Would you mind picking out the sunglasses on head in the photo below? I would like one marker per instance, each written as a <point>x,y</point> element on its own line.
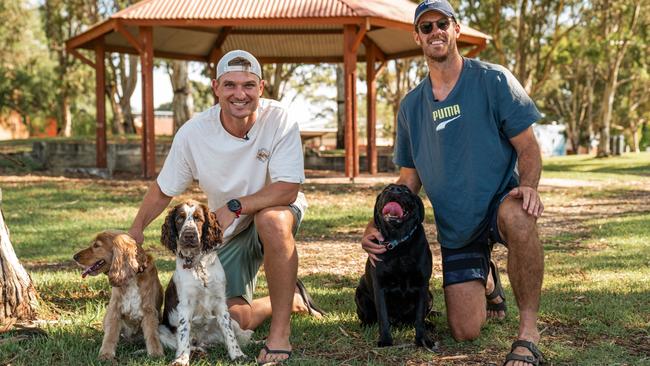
<point>427,27</point>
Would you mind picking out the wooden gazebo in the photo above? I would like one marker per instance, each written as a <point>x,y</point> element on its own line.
<point>292,31</point>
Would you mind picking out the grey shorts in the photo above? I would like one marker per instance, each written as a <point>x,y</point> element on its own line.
<point>243,256</point>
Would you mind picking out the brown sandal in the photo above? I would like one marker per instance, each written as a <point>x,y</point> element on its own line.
<point>536,359</point>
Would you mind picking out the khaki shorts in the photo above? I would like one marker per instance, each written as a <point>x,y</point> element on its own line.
<point>243,256</point>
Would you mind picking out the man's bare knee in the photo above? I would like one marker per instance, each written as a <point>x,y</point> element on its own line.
<point>465,309</point>
<point>465,332</point>
<point>241,312</point>
<point>272,223</point>
<point>515,224</point>
<point>465,328</point>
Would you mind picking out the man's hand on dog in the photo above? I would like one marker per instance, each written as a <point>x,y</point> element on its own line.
<point>531,201</point>
<point>369,243</point>
<point>137,235</point>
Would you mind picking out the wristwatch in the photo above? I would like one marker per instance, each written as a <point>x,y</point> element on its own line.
<point>234,206</point>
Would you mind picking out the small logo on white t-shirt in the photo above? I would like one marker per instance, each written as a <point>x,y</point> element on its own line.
<point>263,155</point>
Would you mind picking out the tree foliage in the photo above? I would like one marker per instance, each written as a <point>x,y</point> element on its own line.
<point>63,19</point>
<point>26,74</point>
<point>569,54</point>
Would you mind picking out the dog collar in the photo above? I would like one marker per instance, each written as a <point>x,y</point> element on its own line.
<point>391,244</point>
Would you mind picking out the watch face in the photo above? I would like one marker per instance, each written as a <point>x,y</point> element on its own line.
<point>234,205</point>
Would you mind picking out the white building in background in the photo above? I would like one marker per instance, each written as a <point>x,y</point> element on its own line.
<point>551,138</point>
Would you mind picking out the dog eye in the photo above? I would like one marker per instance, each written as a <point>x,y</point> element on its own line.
<point>96,245</point>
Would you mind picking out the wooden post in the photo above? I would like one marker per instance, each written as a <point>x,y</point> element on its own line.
<point>148,131</point>
<point>100,102</point>
<point>213,59</point>
<point>212,67</point>
<point>350,75</point>
<point>371,148</point>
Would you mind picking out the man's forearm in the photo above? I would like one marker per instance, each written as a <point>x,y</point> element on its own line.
<point>410,178</point>
<point>530,166</point>
<point>153,203</point>
<point>274,194</point>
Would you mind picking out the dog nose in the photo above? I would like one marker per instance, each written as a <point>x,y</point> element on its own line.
<point>76,257</point>
<point>189,238</point>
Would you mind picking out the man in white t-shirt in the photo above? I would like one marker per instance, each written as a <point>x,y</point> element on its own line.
<point>247,157</point>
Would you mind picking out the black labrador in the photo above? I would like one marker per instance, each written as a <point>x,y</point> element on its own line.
<point>396,291</point>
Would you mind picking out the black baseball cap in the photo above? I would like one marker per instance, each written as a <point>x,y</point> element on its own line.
<point>441,6</point>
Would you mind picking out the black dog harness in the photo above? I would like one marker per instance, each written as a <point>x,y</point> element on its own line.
<point>391,244</point>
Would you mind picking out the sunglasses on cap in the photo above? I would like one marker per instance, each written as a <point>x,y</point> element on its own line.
<point>427,27</point>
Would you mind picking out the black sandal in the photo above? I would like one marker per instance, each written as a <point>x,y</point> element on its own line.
<point>536,359</point>
<point>497,292</point>
<point>274,352</point>
<point>311,305</point>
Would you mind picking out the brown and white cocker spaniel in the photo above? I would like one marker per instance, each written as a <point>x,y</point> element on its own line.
<point>136,294</point>
<point>195,313</point>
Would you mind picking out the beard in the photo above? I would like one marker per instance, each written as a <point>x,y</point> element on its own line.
<point>442,58</point>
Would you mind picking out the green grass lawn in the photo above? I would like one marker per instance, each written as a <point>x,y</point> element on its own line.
<point>596,296</point>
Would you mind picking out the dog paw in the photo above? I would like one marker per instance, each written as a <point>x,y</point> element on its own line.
<point>240,359</point>
<point>155,349</point>
<point>385,342</point>
<point>105,356</point>
<point>181,361</point>
<point>428,343</point>
<point>157,353</point>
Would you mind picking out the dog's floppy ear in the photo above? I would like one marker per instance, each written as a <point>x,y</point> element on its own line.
<point>128,259</point>
<point>211,234</point>
<point>377,216</point>
<point>168,233</point>
<point>420,207</point>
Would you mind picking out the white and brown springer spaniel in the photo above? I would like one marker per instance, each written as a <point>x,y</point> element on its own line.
<point>136,293</point>
<point>195,313</point>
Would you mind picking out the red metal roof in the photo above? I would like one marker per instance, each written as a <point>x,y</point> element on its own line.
<point>399,10</point>
<point>274,30</point>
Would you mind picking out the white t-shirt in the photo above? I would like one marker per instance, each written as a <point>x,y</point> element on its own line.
<point>228,167</point>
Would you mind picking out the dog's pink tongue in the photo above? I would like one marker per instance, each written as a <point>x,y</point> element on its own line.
<point>393,209</point>
<point>92,268</point>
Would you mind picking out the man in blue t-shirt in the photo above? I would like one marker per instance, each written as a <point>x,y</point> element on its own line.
<point>464,134</point>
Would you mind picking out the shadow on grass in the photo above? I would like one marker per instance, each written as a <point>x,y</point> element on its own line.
<point>583,166</point>
<point>621,194</point>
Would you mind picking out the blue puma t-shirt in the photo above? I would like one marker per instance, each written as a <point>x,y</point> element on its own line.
<point>460,146</point>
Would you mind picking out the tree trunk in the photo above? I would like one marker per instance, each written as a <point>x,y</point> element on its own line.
<point>340,107</point>
<point>66,115</point>
<point>110,88</point>
<point>18,297</point>
<point>182,104</point>
<point>604,148</point>
<point>128,83</point>
<point>611,83</point>
<point>274,81</point>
